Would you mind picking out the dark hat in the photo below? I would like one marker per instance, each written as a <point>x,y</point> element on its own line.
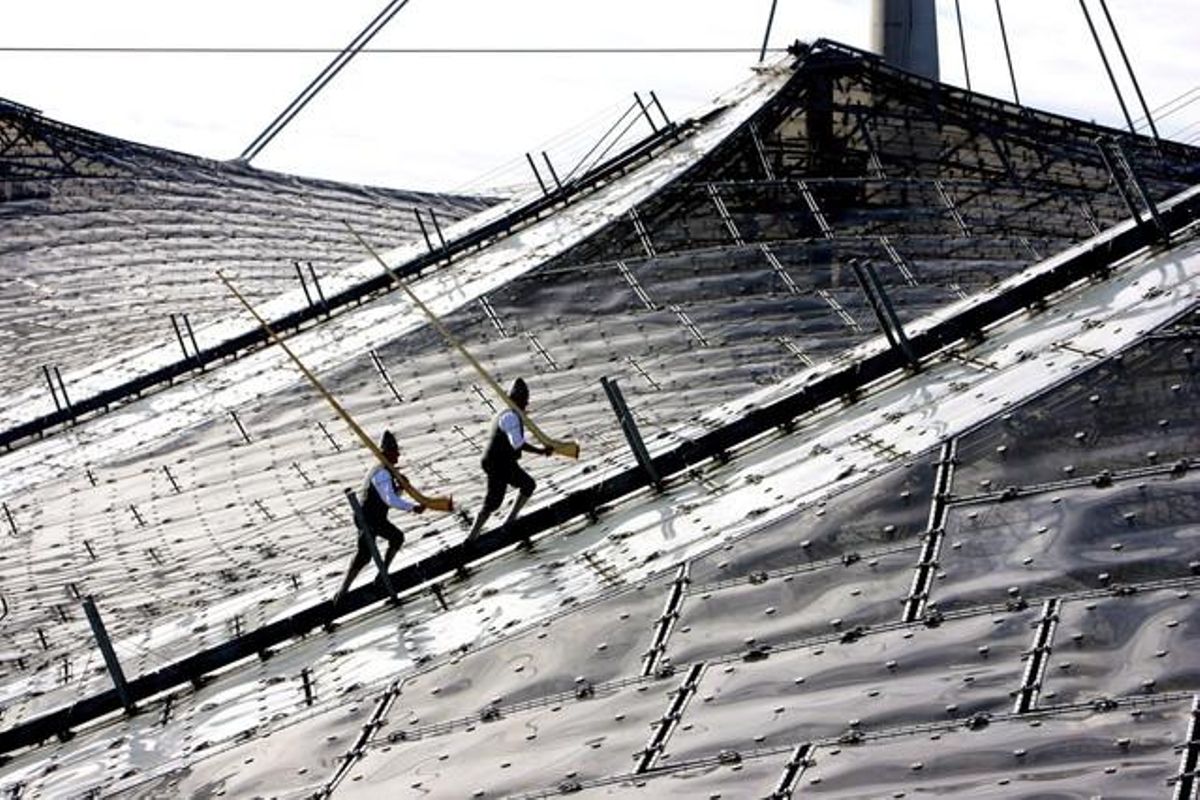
<point>388,443</point>
<point>519,391</point>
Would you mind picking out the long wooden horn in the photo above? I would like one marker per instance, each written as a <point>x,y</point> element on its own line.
<point>435,503</point>
<point>568,448</point>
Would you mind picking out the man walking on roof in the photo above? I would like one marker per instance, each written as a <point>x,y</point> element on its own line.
<point>378,494</point>
<point>500,460</point>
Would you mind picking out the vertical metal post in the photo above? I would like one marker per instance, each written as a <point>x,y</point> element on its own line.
<point>187,325</point>
<point>62,387</point>
<point>437,227</point>
<point>317,286</point>
<point>762,53</point>
<point>536,174</point>
<point>53,391</point>
<point>875,306</point>
<point>658,105</point>
<point>550,167</point>
<point>303,283</point>
<point>630,428</point>
<point>110,655</point>
<point>179,336</point>
<point>368,538</point>
<point>645,112</point>
<point>1012,76</point>
<point>877,296</point>
<point>1107,67</point>
<point>897,326</point>
<point>424,232</point>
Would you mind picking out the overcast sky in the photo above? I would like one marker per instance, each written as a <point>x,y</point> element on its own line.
<point>448,121</point>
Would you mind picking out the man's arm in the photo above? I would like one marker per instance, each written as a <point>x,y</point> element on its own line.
<point>382,481</point>
<point>510,423</point>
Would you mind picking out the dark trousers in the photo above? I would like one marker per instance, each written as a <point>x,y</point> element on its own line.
<point>499,477</point>
<point>382,529</point>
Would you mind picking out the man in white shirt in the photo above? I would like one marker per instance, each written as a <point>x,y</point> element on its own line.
<point>500,460</point>
<point>377,495</point>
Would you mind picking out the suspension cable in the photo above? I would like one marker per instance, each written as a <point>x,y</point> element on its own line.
<point>962,40</point>
<point>1107,68</point>
<point>323,78</point>
<point>1129,68</point>
<point>1007,54</point>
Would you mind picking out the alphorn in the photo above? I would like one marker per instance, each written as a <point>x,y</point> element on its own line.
<point>568,448</point>
<point>435,503</point>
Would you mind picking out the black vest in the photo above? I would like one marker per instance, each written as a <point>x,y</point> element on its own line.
<point>500,452</point>
<point>374,509</point>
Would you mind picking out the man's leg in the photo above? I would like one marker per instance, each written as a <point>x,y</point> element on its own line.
<point>525,486</point>
<point>495,495</point>
<point>356,564</point>
<point>395,540</point>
